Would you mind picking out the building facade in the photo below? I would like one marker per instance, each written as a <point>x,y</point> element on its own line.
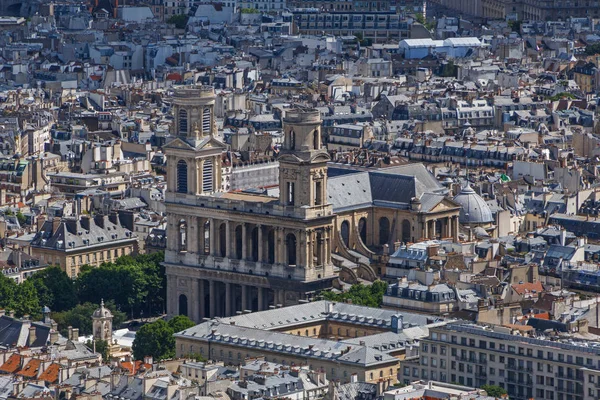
<point>230,252</point>
<point>526,367</point>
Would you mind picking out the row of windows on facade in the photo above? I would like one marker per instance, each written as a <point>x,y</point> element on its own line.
<point>523,351</point>
<point>239,356</point>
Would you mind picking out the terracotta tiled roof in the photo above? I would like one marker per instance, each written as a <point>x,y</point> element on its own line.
<point>12,365</point>
<point>524,288</point>
<point>544,315</point>
<point>50,375</point>
<point>31,369</point>
<point>135,366</point>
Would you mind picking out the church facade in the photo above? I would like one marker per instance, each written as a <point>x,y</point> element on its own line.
<point>230,252</point>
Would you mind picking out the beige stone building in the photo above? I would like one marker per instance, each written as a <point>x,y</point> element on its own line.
<point>230,252</point>
<point>343,340</point>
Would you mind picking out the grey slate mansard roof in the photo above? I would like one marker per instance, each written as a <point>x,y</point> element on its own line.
<point>254,331</point>
<point>388,187</point>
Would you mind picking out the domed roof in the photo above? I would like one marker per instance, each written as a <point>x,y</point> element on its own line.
<point>102,312</point>
<point>473,209</point>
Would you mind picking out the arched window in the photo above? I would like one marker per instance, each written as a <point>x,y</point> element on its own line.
<point>292,140</point>
<point>206,121</point>
<point>384,230</point>
<point>318,256</point>
<point>183,122</point>
<point>206,237</point>
<point>290,243</point>
<point>182,181</point>
<point>183,305</point>
<point>316,140</point>
<point>362,229</point>
<point>345,231</point>
<point>223,240</point>
<point>207,176</point>
<point>182,235</point>
<point>406,231</point>
<point>271,246</point>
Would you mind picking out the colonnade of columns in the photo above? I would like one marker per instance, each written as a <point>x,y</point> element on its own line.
<point>210,298</point>
<point>443,227</point>
<point>251,241</point>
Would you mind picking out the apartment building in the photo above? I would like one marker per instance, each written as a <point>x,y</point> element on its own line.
<point>526,367</point>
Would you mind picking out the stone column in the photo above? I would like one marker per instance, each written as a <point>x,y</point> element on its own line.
<point>171,295</point>
<point>227,239</point>
<point>260,243</point>
<point>227,299</point>
<point>279,244</point>
<point>455,227</point>
<point>212,298</point>
<point>426,229</point>
<point>260,295</point>
<point>300,245</point>
<point>192,231</point>
<point>212,230</point>
<point>243,240</point>
<point>202,296</point>
<point>194,305</point>
<point>244,297</point>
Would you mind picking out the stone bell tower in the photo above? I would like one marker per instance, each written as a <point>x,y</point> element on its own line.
<point>102,323</point>
<point>303,161</point>
<point>194,156</point>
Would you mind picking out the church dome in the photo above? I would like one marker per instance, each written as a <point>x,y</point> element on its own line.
<point>102,312</point>
<point>473,209</point>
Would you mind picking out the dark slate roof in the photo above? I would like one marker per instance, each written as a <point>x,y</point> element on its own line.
<point>389,187</point>
<point>72,233</point>
<point>13,332</point>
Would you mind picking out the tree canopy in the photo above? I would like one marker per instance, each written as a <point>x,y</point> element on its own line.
<point>494,390</point>
<point>156,339</point>
<point>180,21</point>
<point>592,49</point>
<point>136,285</point>
<point>371,295</point>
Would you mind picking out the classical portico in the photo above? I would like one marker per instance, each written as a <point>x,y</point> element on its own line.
<point>229,253</point>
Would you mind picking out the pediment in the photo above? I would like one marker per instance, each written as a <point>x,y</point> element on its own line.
<point>211,143</point>
<point>178,143</point>
<point>321,157</point>
<point>289,157</point>
<point>445,205</point>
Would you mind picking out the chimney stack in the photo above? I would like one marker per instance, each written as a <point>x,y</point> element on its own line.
<point>32,336</point>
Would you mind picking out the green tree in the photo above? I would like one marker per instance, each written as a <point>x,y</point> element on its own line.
<point>21,218</point>
<point>80,317</point>
<point>7,292</point>
<point>55,289</point>
<point>592,49</point>
<point>180,21</point>
<point>154,339</point>
<point>449,70</point>
<point>26,300</point>
<point>180,323</point>
<point>371,295</point>
<point>101,348</point>
<point>494,390</point>
<point>420,18</point>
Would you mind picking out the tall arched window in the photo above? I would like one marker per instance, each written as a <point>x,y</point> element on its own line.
<point>182,235</point>
<point>316,140</point>
<point>207,176</point>
<point>345,231</point>
<point>318,256</point>
<point>183,305</point>
<point>206,121</point>
<point>362,229</point>
<point>182,181</point>
<point>183,122</point>
<point>384,230</point>
<point>290,242</point>
<point>406,231</point>
<point>206,237</point>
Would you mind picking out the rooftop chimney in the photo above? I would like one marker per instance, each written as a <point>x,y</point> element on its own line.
<point>32,336</point>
